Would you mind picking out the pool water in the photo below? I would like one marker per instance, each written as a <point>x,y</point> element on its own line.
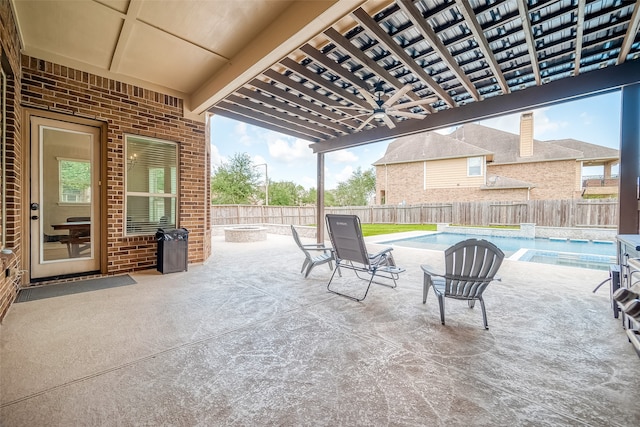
<point>594,254</point>
<point>595,262</point>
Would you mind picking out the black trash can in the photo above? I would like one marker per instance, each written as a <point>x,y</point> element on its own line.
<point>173,249</point>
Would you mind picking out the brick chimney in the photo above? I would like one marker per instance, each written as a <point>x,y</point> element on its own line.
<point>526,135</point>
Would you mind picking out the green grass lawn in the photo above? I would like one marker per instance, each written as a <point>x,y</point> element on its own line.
<point>376,229</point>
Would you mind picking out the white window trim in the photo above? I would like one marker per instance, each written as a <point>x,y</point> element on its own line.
<point>469,159</point>
<point>150,195</point>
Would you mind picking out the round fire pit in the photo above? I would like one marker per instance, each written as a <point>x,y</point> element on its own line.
<point>245,234</point>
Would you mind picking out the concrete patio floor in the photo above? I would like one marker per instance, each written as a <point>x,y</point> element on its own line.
<point>245,340</point>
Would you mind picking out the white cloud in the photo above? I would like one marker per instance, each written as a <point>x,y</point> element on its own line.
<point>543,124</point>
<point>342,156</point>
<point>344,174</point>
<point>258,160</point>
<point>509,123</point>
<point>308,182</point>
<point>446,131</point>
<point>242,134</point>
<point>586,118</point>
<point>282,151</point>
<point>216,158</point>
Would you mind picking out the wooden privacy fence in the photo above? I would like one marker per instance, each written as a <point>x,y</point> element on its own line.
<point>548,213</point>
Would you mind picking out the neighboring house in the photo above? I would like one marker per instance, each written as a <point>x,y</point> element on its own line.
<point>480,163</point>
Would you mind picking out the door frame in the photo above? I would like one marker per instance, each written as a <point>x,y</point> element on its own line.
<point>101,226</point>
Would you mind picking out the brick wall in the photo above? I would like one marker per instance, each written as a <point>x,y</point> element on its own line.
<point>12,175</point>
<point>553,180</point>
<point>128,109</point>
<point>404,183</point>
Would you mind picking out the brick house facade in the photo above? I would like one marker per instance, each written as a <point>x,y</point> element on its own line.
<point>40,87</point>
<point>434,168</point>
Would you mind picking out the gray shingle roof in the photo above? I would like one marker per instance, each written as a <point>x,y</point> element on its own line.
<point>589,151</point>
<point>506,145</point>
<point>477,140</point>
<point>428,146</point>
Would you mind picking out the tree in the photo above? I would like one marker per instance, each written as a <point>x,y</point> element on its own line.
<point>235,181</point>
<point>311,197</point>
<point>358,189</point>
<point>285,193</point>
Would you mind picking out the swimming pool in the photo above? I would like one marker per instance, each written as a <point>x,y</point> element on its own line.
<point>594,254</point>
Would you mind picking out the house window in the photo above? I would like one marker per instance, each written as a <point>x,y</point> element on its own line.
<point>152,184</point>
<point>74,181</point>
<point>474,166</point>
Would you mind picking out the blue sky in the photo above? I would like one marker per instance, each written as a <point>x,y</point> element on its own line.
<point>595,120</point>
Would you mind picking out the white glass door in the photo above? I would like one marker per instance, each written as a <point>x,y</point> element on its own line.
<point>64,205</point>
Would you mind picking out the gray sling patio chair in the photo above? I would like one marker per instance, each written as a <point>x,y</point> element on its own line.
<point>351,253</point>
<point>470,266</point>
<point>314,254</point>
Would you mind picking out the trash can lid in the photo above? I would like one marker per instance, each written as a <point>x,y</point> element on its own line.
<point>172,233</point>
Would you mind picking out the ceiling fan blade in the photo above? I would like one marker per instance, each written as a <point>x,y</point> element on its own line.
<point>406,114</point>
<point>416,103</point>
<point>363,124</point>
<point>388,121</point>
<point>396,96</point>
<point>367,96</point>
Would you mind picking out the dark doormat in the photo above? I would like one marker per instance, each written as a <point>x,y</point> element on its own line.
<point>50,291</point>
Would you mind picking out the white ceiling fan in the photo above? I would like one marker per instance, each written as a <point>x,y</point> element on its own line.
<point>381,109</point>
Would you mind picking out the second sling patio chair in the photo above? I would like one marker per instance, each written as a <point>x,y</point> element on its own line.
<point>351,253</point>
<point>314,254</point>
<point>470,266</point>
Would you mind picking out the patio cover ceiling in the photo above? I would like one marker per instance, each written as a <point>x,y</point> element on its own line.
<point>319,70</point>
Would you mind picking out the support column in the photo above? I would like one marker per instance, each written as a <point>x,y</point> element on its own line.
<point>320,199</point>
<point>629,160</point>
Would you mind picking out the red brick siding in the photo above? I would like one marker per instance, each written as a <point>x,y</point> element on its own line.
<point>10,44</point>
<point>127,109</point>
<point>553,180</point>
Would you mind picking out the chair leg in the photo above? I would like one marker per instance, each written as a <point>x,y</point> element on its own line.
<point>441,304</point>
<point>425,288</point>
<point>484,313</point>
<point>337,269</point>
<point>309,268</point>
<point>304,265</point>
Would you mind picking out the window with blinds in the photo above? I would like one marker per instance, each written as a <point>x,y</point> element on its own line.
<point>474,166</point>
<point>152,184</point>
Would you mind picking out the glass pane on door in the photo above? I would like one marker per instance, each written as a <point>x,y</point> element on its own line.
<point>66,194</point>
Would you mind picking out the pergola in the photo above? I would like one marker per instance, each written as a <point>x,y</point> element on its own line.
<point>342,73</point>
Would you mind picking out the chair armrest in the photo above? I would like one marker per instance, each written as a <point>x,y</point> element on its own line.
<point>314,245</point>
<point>382,258</point>
<point>318,249</point>
<point>425,269</point>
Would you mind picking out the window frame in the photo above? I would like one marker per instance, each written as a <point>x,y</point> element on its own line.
<point>480,166</point>
<point>171,195</point>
